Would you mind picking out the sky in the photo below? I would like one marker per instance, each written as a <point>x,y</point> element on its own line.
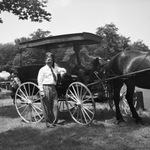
<point>131,17</point>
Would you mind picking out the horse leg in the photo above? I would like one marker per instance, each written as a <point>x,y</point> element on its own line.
<point>129,97</point>
<point>117,100</point>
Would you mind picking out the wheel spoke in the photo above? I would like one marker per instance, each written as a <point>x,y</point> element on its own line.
<point>25,90</point>
<point>22,98</point>
<point>88,110</point>
<point>33,90</point>
<point>75,93</point>
<point>22,93</point>
<point>72,97</point>
<point>36,111</point>
<point>37,108</point>
<point>84,113</point>
<point>88,99</point>
<point>75,110</point>
<point>29,90</point>
<point>24,110</point>
<point>37,99</point>
<point>81,91</point>
<point>30,113</point>
<point>21,105</point>
<point>84,95</point>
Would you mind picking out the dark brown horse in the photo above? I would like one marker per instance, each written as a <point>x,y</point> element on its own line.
<point>133,69</point>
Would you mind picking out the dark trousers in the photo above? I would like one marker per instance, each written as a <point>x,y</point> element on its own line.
<point>50,113</point>
<point>13,92</point>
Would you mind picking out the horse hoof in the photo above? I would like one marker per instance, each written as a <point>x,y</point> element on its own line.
<point>120,122</point>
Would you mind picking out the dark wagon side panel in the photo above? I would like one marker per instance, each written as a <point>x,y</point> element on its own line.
<point>29,73</point>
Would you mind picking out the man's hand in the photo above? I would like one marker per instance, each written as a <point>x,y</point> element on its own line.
<point>42,93</point>
<point>63,72</point>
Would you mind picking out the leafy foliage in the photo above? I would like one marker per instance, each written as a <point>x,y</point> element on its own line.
<point>112,42</point>
<point>11,56</point>
<point>26,9</point>
<point>7,52</point>
<point>139,45</point>
<point>39,34</point>
<point>32,55</point>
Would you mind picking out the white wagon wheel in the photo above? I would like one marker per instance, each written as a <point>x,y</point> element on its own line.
<point>124,106</point>
<point>80,103</point>
<point>28,102</point>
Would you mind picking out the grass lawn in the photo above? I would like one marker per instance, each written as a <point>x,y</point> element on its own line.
<point>102,134</point>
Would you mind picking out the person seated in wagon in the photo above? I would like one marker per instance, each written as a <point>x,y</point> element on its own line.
<point>47,80</point>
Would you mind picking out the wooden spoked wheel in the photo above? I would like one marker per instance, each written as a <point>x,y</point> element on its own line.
<point>80,103</point>
<point>28,102</point>
<point>124,107</point>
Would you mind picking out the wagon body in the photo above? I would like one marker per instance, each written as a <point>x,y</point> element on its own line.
<point>73,95</point>
<point>28,73</point>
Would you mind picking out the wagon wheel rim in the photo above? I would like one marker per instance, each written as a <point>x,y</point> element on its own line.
<point>28,103</point>
<point>80,103</point>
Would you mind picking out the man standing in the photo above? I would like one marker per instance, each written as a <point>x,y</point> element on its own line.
<point>47,79</point>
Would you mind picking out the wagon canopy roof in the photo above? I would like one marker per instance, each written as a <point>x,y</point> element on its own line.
<point>65,40</point>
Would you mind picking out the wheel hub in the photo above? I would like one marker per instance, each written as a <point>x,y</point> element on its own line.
<point>29,102</point>
<point>79,102</point>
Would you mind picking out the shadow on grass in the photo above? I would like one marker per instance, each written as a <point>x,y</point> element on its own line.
<point>8,111</point>
<point>64,117</point>
<point>70,137</point>
<point>100,115</point>
<point>5,95</point>
<point>104,114</point>
<point>62,138</point>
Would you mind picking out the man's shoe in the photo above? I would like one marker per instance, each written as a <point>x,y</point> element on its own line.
<point>48,125</point>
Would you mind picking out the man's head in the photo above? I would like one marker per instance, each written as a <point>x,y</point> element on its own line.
<point>49,59</point>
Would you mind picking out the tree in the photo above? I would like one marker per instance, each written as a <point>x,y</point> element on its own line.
<point>7,52</point>
<point>112,42</point>
<point>139,45</point>
<point>26,9</point>
<point>31,55</point>
<point>39,34</point>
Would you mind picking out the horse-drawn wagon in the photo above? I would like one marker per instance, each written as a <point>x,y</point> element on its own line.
<point>74,96</point>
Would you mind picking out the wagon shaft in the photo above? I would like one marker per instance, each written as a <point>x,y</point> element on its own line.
<point>126,76</point>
